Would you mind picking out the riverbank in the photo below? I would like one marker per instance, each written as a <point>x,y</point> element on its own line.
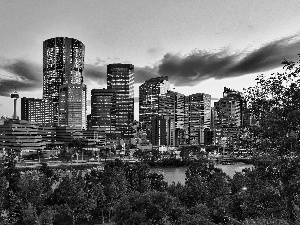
<point>59,165</point>
<point>84,164</point>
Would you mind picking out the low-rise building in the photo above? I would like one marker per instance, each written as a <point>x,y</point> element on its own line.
<point>21,135</point>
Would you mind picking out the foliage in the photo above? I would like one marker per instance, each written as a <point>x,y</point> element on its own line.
<point>263,221</point>
<point>275,104</point>
<point>74,199</point>
<point>147,208</point>
<point>187,151</point>
<point>34,191</point>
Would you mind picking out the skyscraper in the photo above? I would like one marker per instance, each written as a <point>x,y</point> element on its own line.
<point>198,116</point>
<point>103,103</point>
<point>120,77</point>
<point>149,93</point>
<point>172,108</point>
<point>227,116</point>
<point>63,63</point>
<point>72,106</point>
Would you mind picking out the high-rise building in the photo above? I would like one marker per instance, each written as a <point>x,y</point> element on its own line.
<point>103,103</point>
<point>172,108</point>
<point>63,63</point>
<point>198,117</point>
<point>149,93</point>
<point>72,106</point>
<point>228,118</point>
<point>120,77</point>
<point>37,110</point>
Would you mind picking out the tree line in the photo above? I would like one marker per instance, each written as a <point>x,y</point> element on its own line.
<point>124,193</point>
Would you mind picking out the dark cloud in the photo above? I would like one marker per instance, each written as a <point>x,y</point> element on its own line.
<point>95,73</point>
<point>267,57</point>
<point>195,67</point>
<point>141,74</point>
<point>21,74</point>
<point>201,65</point>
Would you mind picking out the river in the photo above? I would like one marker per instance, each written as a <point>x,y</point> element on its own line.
<point>177,174</point>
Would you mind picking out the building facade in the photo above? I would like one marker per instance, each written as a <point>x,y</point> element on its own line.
<point>72,106</point>
<point>21,135</point>
<point>37,110</point>
<point>172,108</point>
<point>227,117</point>
<point>159,128</point>
<point>198,117</point>
<point>149,94</point>
<point>103,106</point>
<point>120,77</point>
<point>63,63</point>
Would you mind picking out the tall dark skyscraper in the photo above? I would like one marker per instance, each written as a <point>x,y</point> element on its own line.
<point>103,103</point>
<point>149,94</point>
<point>63,63</point>
<point>120,77</point>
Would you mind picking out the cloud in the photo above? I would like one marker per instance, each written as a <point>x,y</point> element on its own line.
<point>187,70</point>
<point>19,74</point>
<point>195,67</point>
<point>95,73</point>
<point>154,50</point>
<point>268,57</point>
<point>201,65</point>
<point>141,74</point>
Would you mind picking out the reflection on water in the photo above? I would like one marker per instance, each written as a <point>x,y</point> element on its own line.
<point>178,174</point>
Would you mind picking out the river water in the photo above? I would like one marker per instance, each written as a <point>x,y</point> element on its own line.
<point>178,174</point>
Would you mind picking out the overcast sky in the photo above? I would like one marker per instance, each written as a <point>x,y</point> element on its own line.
<point>201,45</point>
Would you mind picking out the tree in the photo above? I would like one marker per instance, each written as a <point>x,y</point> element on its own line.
<point>74,199</point>
<point>93,180</point>
<point>275,104</point>
<point>9,170</point>
<point>3,193</point>
<point>137,176</point>
<point>148,208</point>
<point>157,182</point>
<point>115,184</point>
<point>34,190</point>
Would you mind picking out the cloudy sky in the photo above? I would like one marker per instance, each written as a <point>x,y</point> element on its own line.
<point>202,45</point>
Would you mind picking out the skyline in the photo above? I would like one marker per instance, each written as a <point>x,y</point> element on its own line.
<point>205,45</point>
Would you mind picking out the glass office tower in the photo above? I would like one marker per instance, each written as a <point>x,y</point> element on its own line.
<point>149,93</point>
<point>63,63</point>
<point>120,77</point>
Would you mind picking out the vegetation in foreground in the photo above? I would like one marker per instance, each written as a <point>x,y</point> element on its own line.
<point>130,194</point>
